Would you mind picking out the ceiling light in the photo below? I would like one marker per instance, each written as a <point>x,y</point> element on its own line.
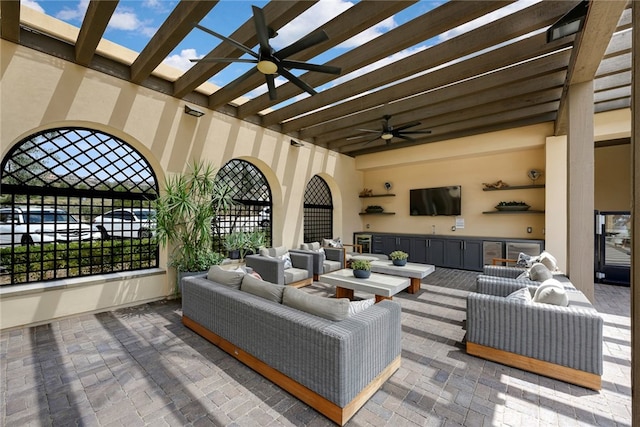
<point>267,67</point>
<point>386,136</point>
<point>193,112</point>
<point>570,23</point>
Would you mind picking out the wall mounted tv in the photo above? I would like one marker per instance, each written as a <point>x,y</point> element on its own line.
<point>435,201</point>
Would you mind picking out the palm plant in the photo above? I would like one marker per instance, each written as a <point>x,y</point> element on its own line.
<point>185,212</point>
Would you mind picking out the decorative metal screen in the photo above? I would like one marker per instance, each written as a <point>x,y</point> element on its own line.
<point>74,202</point>
<point>251,192</point>
<point>318,211</point>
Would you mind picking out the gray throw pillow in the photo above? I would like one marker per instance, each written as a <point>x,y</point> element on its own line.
<point>266,290</point>
<point>539,272</point>
<point>230,278</point>
<point>329,308</point>
<point>520,295</point>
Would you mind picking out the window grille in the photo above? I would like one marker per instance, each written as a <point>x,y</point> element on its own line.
<point>55,185</point>
<point>252,194</point>
<point>318,211</point>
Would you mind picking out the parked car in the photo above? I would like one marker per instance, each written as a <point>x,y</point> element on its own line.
<point>136,223</point>
<point>38,224</point>
<point>264,217</point>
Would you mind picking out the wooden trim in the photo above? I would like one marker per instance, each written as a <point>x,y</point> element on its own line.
<point>301,283</point>
<point>327,408</point>
<point>540,367</point>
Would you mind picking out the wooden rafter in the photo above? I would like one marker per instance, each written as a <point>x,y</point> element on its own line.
<point>94,24</point>
<point>10,20</point>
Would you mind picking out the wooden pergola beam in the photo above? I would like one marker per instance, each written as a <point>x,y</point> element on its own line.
<point>94,24</point>
<point>10,20</point>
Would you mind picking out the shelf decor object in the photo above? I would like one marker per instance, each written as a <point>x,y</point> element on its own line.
<point>374,209</point>
<point>512,206</point>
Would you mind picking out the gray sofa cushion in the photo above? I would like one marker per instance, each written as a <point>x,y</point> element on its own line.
<point>293,274</point>
<point>551,292</point>
<point>231,278</point>
<point>266,290</point>
<point>328,308</point>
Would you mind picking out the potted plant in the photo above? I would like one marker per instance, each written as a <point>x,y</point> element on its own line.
<point>234,243</point>
<point>184,214</point>
<point>361,268</point>
<point>399,258</point>
<point>256,240</point>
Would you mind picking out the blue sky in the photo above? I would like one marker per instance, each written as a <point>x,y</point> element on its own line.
<point>135,21</point>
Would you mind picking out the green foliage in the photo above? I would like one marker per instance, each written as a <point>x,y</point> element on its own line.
<point>513,203</point>
<point>361,264</point>
<point>245,241</point>
<point>185,212</point>
<point>398,255</point>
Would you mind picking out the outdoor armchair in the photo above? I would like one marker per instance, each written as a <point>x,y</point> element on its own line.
<point>283,267</point>
<point>325,260</point>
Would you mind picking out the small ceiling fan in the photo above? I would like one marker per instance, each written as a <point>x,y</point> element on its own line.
<point>389,132</point>
<point>271,62</point>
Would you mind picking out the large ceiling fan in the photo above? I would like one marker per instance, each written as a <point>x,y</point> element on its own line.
<point>389,132</point>
<point>271,62</point>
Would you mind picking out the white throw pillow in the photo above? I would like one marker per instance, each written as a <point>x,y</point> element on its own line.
<point>525,260</point>
<point>356,307</point>
<point>539,272</point>
<point>287,261</point>
<point>551,292</point>
<point>549,261</point>
<point>520,295</point>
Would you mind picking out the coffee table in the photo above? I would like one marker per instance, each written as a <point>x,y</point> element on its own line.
<point>414,271</point>
<point>381,285</point>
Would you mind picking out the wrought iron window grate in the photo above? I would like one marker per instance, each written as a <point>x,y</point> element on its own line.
<point>318,211</point>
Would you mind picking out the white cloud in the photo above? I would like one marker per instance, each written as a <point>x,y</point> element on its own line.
<point>127,20</point>
<point>31,4</point>
<point>312,18</point>
<point>76,14</point>
<point>370,34</point>
<point>181,60</point>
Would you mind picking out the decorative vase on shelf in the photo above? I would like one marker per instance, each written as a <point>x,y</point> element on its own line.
<point>400,262</point>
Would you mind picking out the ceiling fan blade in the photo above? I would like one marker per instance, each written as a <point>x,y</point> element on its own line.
<point>227,39</point>
<point>410,125</point>
<point>307,41</point>
<point>368,130</point>
<point>370,141</point>
<point>296,81</point>
<point>402,136</point>
<point>262,31</point>
<point>253,61</point>
<point>355,137</point>
<point>271,85</point>
<point>287,63</point>
<point>243,77</point>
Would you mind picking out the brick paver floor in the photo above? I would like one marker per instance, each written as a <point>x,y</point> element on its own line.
<point>140,366</point>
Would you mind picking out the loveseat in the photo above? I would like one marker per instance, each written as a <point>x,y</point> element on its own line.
<point>549,327</point>
<point>334,366</point>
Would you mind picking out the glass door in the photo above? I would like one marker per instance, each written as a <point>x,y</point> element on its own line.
<point>613,247</point>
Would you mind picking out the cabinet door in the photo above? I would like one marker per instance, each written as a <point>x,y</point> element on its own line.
<point>388,244</point>
<point>453,253</point>
<point>403,244</point>
<point>472,256</point>
<point>419,248</point>
<point>377,246</point>
<point>435,252</point>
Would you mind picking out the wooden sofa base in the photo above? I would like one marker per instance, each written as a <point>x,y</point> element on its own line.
<point>329,409</point>
<point>540,367</point>
<point>301,283</point>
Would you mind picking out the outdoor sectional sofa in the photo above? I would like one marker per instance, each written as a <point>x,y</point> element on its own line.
<point>562,342</point>
<point>333,366</point>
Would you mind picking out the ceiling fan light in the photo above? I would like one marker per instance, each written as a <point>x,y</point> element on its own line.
<point>386,136</point>
<point>267,67</point>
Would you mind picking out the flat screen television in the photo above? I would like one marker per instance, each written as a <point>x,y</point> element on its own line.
<point>435,201</point>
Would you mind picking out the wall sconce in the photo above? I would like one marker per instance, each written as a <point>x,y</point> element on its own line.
<point>193,112</point>
<point>295,143</point>
<point>570,23</point>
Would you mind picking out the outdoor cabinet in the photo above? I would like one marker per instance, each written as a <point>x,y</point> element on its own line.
<point>463,254</point>
<point>427,251</point>
<point>396,243</point>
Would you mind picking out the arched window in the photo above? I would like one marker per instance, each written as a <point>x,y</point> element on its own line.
<point>74,202</point>
<point>252,194</point>
<point>318,211</point>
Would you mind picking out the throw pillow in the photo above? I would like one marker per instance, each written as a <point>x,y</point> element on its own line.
<point>539,272</point>
<point>287,260</point>
<point>266,290</point>
<point>549,261</point>
<point>523,275</point>
<point>332,243</point>
<point>329,308</point>
<point>520,295</point>
<point>356,307</point>
<point>525,260</point>
<point>230,278</point>
<point>551,292</point>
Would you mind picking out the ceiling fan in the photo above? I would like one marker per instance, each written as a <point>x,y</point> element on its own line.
<point>389,132</point>
<point>271,62</point>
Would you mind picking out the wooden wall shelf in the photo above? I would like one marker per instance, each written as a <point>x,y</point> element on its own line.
<point>513,212</point>
<point>377,213</point>
<point>377,195</point>
<point>515,187</point>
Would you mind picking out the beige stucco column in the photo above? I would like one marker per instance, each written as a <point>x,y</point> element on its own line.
<point>580,189</point>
